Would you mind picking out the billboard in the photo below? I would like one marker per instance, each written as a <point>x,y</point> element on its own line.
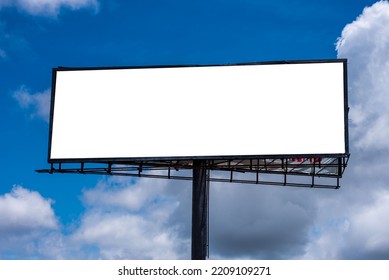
<point>294,108</point>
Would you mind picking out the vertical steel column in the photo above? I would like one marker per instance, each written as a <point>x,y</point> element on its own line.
<point>199,210</point>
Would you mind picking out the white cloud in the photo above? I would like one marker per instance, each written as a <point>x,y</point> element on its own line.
<point>23,209</point>
<point>351,225</point>
<point>25,219</point>
<point>128,236</point>
<point>38,103</point>
<point>357,231</point>
<point>369,230</point>
<point>106,230</point>
<point>127,219</point>
<point>121,192</point>
<point>48,7</point>
<point>365,42</point>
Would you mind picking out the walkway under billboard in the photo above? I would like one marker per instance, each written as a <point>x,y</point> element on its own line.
<point>279,123</point>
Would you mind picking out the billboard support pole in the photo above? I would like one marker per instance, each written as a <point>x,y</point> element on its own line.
<point>200,199</point>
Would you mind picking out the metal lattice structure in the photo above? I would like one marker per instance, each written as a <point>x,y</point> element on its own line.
<point>314,172</point>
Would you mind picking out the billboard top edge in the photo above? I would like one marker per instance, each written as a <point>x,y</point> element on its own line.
<point>279,62</point>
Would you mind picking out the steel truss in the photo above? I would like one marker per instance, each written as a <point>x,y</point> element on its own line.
<point>313,172</point>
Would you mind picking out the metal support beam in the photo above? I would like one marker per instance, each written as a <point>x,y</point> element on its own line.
<point>200,199</point>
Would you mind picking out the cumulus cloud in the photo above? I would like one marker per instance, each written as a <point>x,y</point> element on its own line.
<point>368,233</point>
<point>37,103</point>
<point>23,209</point>
<point>354,228</point>
<point>128,236</point>
<point>25,219</point>
<point>116,228</point>
<point>365,43</point>
<point>123,193</point>
<point>356,232</point>
<point>127,219</point>
<point>48,7</point>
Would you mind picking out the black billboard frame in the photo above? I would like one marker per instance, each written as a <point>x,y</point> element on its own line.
<point>126,159</point>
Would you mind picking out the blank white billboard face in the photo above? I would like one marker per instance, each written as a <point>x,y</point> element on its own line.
<point>208,111</point>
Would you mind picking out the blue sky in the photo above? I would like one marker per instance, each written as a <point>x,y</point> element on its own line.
<point>72,216</point>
